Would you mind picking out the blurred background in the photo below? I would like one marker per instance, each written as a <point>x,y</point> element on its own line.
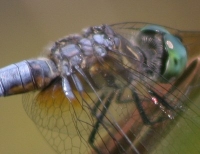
<point>26,27</point>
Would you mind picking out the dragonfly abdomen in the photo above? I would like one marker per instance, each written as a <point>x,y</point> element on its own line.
<point>26,76</point>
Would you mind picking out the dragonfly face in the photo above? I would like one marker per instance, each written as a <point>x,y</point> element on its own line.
<point>114,89</point>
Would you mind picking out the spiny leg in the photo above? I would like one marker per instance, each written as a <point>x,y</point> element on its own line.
<point>99,118</point>
<point>142,112</point>
<point>161,100</point>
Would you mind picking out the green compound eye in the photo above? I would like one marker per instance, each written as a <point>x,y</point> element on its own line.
<point>177,54</point>
<point>155,28</point>
<point>177,60</point>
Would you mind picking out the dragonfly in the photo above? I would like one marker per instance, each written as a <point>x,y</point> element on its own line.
<point>123,88</point>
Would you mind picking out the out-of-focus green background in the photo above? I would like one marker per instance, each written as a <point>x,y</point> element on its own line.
<point>26,27</point>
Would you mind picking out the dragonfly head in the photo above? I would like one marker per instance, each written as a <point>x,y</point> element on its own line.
<point>175,54</point>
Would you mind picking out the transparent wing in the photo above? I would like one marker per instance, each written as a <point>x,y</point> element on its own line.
<point>121,110</point>
<point>189,38</point>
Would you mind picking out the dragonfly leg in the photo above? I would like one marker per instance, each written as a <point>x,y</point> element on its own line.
<point>97,104</point>
<point>99,118</point>
<point>142,112</point>
<point>161,100</point>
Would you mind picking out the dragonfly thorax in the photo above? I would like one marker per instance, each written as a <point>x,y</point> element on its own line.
<point>75,54</point>
<point>83,50</point>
